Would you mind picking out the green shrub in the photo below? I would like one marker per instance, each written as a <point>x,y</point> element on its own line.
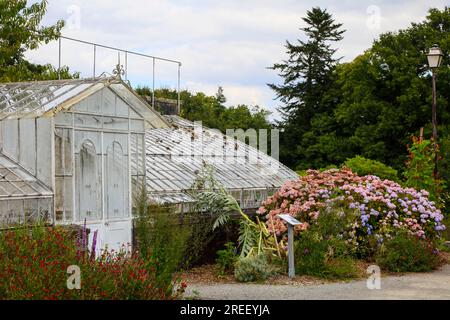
<point>407,253</point>
<point>321,259</point>
<point>252,268</point>
<point>321,250</point>
<point>420,166</point>
<point>444,203</point>
<point>444,173</point>
<point>301,173</point>
<point>160,239</point>
<point>200,238</point>
<point>444,162</point>
<point>226,258</point>
<point>364,167</point>
<point>328,167</point>
<point>304,172</point>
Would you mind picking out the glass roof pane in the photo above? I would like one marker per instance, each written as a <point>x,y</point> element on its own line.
<point>171,168</point>
<point>37,97</point>
<point>14,181</point>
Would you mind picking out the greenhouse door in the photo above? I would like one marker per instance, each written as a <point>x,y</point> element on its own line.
<point>116,196</point>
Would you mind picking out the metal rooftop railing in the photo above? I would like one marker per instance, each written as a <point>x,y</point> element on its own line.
<point>154,59</point>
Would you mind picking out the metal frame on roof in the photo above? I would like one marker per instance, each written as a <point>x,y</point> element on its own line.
<point>154,59</point>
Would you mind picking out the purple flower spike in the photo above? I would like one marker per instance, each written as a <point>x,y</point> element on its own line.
<point>94,245</point>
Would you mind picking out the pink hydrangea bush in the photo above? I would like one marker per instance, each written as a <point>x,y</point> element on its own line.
<point>381,206</point>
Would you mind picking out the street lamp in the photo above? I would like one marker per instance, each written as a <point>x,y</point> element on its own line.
<point>434,57</point>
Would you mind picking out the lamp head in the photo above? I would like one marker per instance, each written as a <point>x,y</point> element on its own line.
<point>434,57</point>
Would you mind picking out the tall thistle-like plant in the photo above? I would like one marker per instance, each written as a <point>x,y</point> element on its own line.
<point>211,197</point>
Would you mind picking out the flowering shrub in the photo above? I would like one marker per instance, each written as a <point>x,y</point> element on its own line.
<point>407,253</point>
<point>33,265</point>
<point>321,251</point>
<point>382,206</point>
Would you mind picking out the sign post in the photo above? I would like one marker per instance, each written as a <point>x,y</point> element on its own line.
<point>291,222</point>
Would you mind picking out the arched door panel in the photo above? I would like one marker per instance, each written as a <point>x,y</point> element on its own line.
<point>88,182</point>
<point>116,172</point>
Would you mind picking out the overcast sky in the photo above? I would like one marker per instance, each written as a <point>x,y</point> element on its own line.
<point>228,43</point>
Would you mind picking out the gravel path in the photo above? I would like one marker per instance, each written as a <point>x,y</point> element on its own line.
<point>433,285</point>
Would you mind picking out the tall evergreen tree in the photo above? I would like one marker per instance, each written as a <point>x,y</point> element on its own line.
<point>307,80</point>
<point>220,96</point>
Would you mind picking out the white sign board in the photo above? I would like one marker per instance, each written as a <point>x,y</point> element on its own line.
<point>289,219</point>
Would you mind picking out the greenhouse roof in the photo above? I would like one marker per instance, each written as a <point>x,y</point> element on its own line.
<point>175,156</point>
<point>16,182</point>
<point>46,98</point>
<point>38,97</point>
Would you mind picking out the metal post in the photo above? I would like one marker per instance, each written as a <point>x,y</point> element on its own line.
<point>178,90</point>
<point>59,58</point>
<point>153,85</point>
<point>95,57</point>
<point>434,121</point>
<point>291,272</point>
<point>126,65</point>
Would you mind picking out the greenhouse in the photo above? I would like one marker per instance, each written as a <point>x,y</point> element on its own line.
<point>77,150</point>
<point>175,155</point>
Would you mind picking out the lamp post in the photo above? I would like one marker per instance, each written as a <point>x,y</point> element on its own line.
<point>434,57</point>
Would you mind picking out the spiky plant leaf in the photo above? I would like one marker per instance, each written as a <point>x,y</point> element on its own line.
<point>247,238</point>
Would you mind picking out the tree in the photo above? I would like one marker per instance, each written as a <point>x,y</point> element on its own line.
<point>385,93</point>
<point>21,30</point>
<point>220,96</point>
<point>209,110</point>
<point>373,105</point>
<point>308,78</point>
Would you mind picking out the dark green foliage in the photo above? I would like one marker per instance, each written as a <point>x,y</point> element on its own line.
<point>445,204</point>
<point>21,30</point>
<point>386,92</point>
<point>252,268</point>
<point>226,258</point>
<point>370,106</point>
<point>363,167</point>
<point>199,240</point>
<point>407,253</point>
<point>444,162</point>
<point>321,251</point>
<point>444,174</point>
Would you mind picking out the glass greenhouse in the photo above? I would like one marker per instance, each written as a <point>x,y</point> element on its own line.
<point>76,150</point>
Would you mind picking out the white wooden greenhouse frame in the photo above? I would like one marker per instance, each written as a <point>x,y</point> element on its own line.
<point>74,150</point>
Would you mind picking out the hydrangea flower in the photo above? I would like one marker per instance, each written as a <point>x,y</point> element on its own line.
<point>383,205</point>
